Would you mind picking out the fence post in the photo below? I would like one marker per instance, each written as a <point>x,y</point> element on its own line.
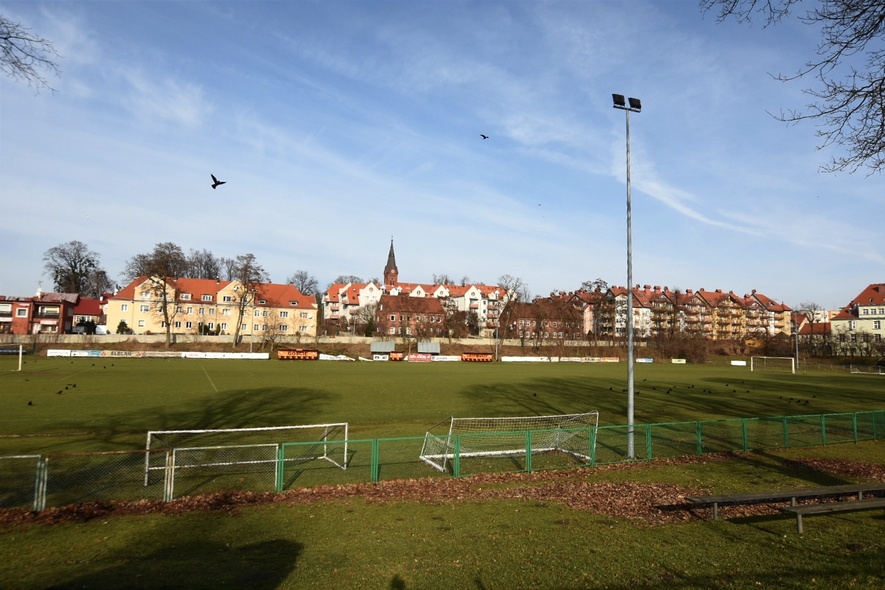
<point>648,456</point>
<point>169,475</point>
<point>593,432</point>
<point>823,429</point>
<point>744,434</point>
<point>375,468</point>
<point>281,463</point>
<point>854,424</point>
<point>786,433</point>
<point>456,459</point>
<point>700,439</point>
<point>40,484</point>
<point>528,451</point>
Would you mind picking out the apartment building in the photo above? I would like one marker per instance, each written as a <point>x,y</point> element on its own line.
<point>212,307</point>
<point>859,328</point>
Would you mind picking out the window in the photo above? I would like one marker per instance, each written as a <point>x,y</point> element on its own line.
<point>223,326</point>
<point>283,328</point>
<point>211,325</point>
<point>144,308</point>
<point>201,310</point>
<point>284,314</point>
<point>211,311</point>
<point>257,313</point>
<point>392,330</point>
<point>141,323</point>
<point>877,324</point>
<point>206,298</point>
<point>177,324</point>
<point>189,325</point>
<point>225,311</point>
<point>185,296</point>
<point>124,307</point>
<point>178,309</point>
<point>302,328</point>
<point>190,310</point>
<point>304,315</point>
<point>21,312</point>
<point>227,299</point>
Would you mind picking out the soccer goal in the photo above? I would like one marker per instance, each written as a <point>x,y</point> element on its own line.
<point>204,447</point>
<point>773,363</point>
<point>574,434</point>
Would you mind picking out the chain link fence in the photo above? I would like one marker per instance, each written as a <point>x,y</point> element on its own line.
<point>41,481</point>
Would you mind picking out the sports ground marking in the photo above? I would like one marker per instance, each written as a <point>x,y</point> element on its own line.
<point>209,378</point>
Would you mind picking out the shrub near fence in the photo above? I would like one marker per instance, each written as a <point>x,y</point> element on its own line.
<point>40,481</point>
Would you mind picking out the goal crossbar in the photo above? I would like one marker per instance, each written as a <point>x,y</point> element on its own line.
<point>573,434</point>
<point>761,363</point>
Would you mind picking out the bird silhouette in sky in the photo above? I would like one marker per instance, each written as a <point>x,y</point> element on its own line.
<point>216,182</point>
<point>483,135</point>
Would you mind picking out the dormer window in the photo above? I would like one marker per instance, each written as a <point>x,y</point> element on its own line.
<point>262,302</point>
<point>207,297</point>
<point>185,296</point>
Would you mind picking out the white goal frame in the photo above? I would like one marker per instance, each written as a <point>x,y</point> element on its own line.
<point>759,362</point>
<point>505,437</point>
<point>331,434</point>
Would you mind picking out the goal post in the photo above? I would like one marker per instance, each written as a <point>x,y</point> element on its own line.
<point>767,363</point>
<point>328,442</point>
<point>573,434</point>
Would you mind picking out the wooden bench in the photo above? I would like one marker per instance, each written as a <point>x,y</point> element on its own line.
<point>782,495</point>
<point>831,507</point>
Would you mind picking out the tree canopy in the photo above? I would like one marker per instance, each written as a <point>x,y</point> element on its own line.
<point>24,55</point>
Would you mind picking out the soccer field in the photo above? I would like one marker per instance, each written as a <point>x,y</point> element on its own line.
<point>88,404</point>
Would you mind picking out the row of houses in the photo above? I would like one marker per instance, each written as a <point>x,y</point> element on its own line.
<point>391,308</point>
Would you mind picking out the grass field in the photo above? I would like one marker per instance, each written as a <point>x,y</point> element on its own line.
<point>451,543</point>
<point>109,404</point>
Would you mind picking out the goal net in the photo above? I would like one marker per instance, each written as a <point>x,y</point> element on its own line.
<point>574,434</point>
<point>238,446</point>
<point>773,363</point>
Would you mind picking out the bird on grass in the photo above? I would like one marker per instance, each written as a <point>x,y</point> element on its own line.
<point>216,182</point>
<point>483,135</point>
<point>30,403</point>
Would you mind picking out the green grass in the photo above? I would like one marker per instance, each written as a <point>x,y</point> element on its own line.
<point>508,544</point>
<point>116,401</point>
<point>351,544</point>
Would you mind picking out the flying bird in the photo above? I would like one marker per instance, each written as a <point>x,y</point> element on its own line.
<point>215,181</point>
<point>483,135</point>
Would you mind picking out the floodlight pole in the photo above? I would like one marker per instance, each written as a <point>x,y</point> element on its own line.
<point>634,106</point>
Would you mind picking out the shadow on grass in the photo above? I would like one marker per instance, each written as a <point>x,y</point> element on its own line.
<point>201,564</point>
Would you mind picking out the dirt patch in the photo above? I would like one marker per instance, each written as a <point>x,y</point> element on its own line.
<point>648,504</point>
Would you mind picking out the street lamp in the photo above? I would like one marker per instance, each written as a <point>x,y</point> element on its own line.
<point>630,105</point>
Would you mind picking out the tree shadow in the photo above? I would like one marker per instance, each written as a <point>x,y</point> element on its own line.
<point>201,564</point>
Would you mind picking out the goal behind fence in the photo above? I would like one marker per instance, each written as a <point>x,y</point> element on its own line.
<point>204,446</point>
<point>574,434</point>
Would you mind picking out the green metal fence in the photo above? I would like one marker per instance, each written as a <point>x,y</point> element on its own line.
<point>41,481</point>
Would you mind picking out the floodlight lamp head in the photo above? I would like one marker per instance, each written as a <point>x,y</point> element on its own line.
<point>618,100</point>
<point>635,104</point>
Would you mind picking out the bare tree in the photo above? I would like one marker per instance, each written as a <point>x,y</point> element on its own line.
<point>23,55</point>
<point>75,268</point>
<point>595,285</point>
<point>441,279</point>
<point>304,282</point>
<point>250,275</point>
<point>162,266</point>
<point>344,279</point>
<point>202,264</point>
<point>847,102</point>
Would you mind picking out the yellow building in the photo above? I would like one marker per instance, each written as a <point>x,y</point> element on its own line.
<point>213,307</point>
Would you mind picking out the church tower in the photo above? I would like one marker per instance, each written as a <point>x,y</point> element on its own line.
<point>391,274</point>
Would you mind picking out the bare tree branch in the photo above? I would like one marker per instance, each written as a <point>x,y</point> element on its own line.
<point>23,55</point>
<point>849,100</point>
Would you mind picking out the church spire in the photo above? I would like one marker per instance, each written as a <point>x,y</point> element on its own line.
<point>391,273</point>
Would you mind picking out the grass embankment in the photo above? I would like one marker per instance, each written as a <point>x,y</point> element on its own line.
<point>458,543</point>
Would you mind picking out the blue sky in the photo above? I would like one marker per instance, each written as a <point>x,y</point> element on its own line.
<point>338,125</point>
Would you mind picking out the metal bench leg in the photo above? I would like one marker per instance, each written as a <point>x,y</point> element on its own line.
<point>799,523</point>
<point>715,511</point>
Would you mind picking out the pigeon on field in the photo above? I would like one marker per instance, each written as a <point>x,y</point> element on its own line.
<point>483,135</point>
<point>30,403</point>
<point>216,182</point>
